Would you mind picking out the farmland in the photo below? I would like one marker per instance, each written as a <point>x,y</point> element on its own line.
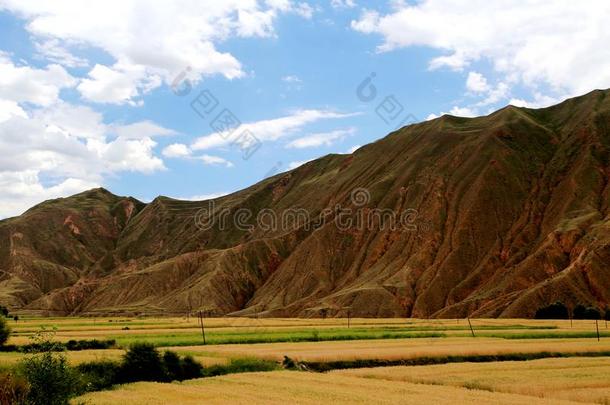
<point>509,383</point>
<point>432,359</point>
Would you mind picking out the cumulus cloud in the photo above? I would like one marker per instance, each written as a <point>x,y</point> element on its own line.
<point>529,42</point>
<point>175,35</point>
<point>176,150</point>
<point>476,82</point>
<point>69,146</point>
<point>27,84</point>
<point>21,190</point>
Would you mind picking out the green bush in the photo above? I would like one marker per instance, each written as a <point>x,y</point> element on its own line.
<point>51,380</point>
<point>75,345</point>
<point>142,362</point>
<point>173,366</point>
<point>5,331</point>
<point>98,375</point>
<point>191,368</point>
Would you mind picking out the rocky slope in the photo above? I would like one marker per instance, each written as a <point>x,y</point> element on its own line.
<point>505,213</point>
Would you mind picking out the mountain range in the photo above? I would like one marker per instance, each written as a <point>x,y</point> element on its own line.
<point>505,214</point>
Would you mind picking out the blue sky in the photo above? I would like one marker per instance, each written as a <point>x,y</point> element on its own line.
<point>100,93</point>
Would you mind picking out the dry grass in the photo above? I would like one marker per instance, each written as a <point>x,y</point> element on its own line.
<point>396,349</point>
<point>282,387</point>
<point>576,379</point>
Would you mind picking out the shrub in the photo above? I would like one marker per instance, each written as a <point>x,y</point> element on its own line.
<point>51,380</point>
<point>5,331</point>
<point>173,366</point>
<point>13,390</point>
<point>554,311</point>
<point>142,362</point>
<point>89,344</point>
<point>98,375</point>
<point>607,315</point>
<point>4,311</point>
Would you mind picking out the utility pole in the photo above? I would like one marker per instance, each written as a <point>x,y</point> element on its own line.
<point>597,329</point>
<point>202,326</point>
<point>471,330</point>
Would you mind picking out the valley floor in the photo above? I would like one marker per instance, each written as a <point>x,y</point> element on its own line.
<point>559,361</point>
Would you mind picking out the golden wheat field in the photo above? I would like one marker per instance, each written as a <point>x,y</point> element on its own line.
<point>547,381</point>
<point>543,381</point>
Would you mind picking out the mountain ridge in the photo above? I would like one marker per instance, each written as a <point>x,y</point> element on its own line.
<point>512,214</point>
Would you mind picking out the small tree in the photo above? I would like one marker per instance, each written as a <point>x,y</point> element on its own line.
<point>142,362</point>
<point>582,312</point>
<point>5,331</point>
<point>50,378</point>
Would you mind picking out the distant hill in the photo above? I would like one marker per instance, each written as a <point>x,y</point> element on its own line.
<point>505,213</point>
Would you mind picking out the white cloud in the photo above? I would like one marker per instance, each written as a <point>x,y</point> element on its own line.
<point>476,82</point>
<point>182,151</point>
<point>204,197</point>
<point>269,130</point>
<point>560,44</point>
<point>291,79</point>
<point>37,86</point>
<point>9,108</point>
<point>142,129</point>
<point>297,163</point>
<point>69,146</point>
<point>319,139</point>
<point>52,50</point>
<point>21,190</point>
<point>342,3</point>
<point>456,111</point>
<point>354,148</point>
<point>118,85</point>
<point>151,42</point>
<point>539,101</point>
<point>177,150</point>
<point>214,160</point>
<point>463,112</point>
